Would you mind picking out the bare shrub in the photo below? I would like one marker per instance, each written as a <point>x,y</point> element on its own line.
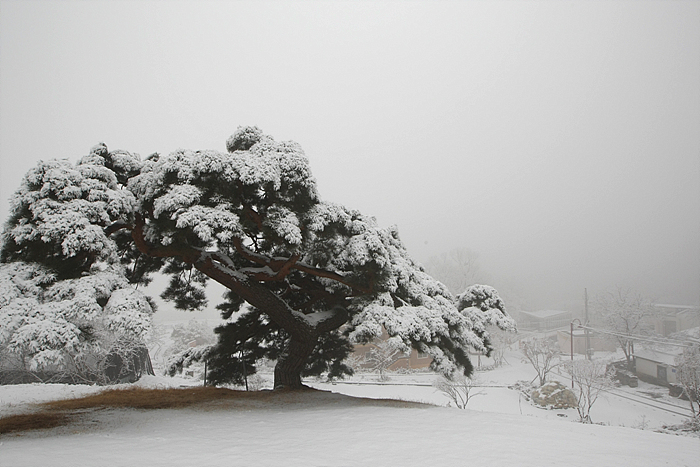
<point>590,378</point>
<point>460,389</point>
<point>542,354</point>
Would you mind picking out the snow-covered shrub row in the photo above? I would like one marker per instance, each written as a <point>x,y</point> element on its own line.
<point>67,329</point>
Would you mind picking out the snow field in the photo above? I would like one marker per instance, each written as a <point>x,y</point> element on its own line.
<point>332,430</point>
<point>499,428</point>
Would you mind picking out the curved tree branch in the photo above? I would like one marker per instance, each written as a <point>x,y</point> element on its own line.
<point>283,267</point>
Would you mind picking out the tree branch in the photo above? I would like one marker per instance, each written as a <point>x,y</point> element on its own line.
<point>283,267</point>
<point>187,254</point>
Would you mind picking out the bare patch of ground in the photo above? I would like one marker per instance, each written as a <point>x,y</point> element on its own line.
<point>84,410</point>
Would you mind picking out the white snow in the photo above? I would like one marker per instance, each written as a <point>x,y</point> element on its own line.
<point>323,429</point>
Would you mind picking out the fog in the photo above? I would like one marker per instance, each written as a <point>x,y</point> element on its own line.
<point>558,140</point>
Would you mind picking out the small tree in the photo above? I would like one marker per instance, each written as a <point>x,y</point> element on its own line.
<point>382,356</point>
<point>688,366</point>
<point>460,389</point>
<point>501,341</point>
<point>625,313</point>
<point>590,378</point>
<point>542,354</point>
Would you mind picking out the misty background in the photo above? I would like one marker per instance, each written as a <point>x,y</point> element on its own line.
<point>559,142</point>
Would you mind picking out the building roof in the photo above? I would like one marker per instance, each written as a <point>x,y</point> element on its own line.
<point>543,314</point>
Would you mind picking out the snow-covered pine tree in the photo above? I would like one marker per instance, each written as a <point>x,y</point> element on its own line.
<point>317,275</point>
<point>67,310</point>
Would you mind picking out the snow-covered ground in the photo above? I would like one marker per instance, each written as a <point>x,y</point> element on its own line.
<point>321,429</point>
<point>647,406</point>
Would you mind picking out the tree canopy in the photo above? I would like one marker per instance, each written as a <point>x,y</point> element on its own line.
<point>316,276</point>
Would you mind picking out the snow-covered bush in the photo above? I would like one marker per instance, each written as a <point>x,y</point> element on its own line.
<point>190,346</point>
<point>67,309</point>
<point>71,329</point>
<point>192,356</point>
<point>554,395</point>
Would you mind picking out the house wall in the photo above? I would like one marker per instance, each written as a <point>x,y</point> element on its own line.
<point>412,361</point>
<point>597,344</point>
<point>648,370</point>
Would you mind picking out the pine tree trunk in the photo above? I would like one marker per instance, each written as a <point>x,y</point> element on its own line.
<point>291,363</point>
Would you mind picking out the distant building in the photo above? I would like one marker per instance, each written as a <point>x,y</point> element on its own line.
<point>674,318</point>
<point>656,367</point>
<point>595,342</point>
<point>544,320</point>
<point>400,361</point>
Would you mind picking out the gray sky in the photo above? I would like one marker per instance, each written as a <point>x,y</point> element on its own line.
<point>560,140</point>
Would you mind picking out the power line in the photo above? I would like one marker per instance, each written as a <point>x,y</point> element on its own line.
<point>642,338</point>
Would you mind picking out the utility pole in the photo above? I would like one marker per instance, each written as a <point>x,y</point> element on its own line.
<point>571,339</point>
<point>588,337</point>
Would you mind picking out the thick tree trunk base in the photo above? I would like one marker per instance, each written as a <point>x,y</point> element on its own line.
<point>289,366</point>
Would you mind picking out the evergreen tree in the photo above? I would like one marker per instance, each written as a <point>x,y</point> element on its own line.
<point>317,275</point>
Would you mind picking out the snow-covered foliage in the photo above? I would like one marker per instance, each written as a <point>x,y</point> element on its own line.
<point>184,359</point>
<point>415,309</point>
<point>66,327</point>
<point>59,213</point>
<point>65,303</point>
<point>191,343</point>
<point>485,308</point>
<point>206,197</point>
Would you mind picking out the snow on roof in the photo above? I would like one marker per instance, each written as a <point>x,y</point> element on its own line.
<point>541,314</point>
<point>667,358</point>
<point>693,333</point>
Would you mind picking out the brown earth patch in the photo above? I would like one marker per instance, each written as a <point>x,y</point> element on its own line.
<point>61,413</point>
